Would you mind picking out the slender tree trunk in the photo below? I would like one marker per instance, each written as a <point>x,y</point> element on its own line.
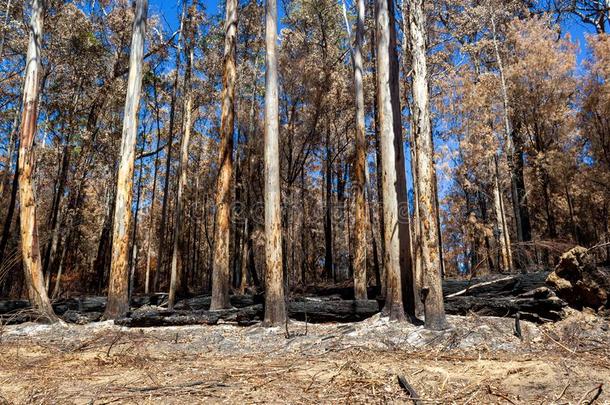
<point>404,232</point>
<point>178,245</point>
<point>9,153</point>
<point>432,291</point>
<point>8,221</point>
<point>378,158</point>
<point>221,271</point>
<point>118,298</point>
<point>29,229</point>
<point>55,220</point>
<point>394,306</point>
<point>503,236</point>
<point>275,306</point>
<point>152,198</point>
<point>328,223</point>
<point>133,258</point>
<point>56,288</point>
<point>7,14</point>
<point>514,156</point>
<point>359,175</point>
<point>168,160</point>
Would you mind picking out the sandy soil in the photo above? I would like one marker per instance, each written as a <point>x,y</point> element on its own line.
<point>478,361</point>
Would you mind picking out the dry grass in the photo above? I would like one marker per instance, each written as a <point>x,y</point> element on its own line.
<point>357,363</point>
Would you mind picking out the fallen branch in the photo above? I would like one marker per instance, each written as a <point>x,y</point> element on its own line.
<point>598,391</point>
<point>404,384</point>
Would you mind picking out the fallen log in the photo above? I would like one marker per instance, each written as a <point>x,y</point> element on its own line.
<point>540,305</point>
<point>314,311</point>
<point>203,302</point>
<point>152,317</point>
<point>497,285</point>
<point>317,311</point>
<point>72,310</point>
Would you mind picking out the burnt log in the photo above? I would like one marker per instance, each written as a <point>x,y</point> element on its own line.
<point>203,302</point>
<point>314,311</point>
<point>71,310</point>
<point>151,317</point>
<point>540,305</point>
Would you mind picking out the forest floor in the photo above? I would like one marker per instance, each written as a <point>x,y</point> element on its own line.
<point>479,360</point>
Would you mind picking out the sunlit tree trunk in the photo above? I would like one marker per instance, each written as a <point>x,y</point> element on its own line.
<point>393,306</point>
<point>275,307</point>
<point>118,295</point>
<point>30,248</point>
<point>221,270</point>
<point>432,291</point>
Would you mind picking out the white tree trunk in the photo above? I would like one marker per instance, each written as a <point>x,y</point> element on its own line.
<point>432,293</point>
<point>275,308</point>
<point>394,306</point>
<point>30,248</point>
<point>118,295</point>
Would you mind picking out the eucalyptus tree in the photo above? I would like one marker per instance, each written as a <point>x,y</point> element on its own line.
<point>221,269</point>
<point>30,247</point>
<point>275,307</point>
<point>118,294</point>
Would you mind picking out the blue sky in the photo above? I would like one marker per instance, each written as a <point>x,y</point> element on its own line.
<point>169,10</point>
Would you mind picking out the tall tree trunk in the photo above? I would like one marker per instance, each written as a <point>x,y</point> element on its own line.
<point>378,158</point>
<point>432,290</point>
<point>118,298</point>
<point>359,174</point>
<point>178,246</point>
<point>514,154</point>
<point>168,159</point>
<point>394,306</point>
<point>275,306</point>
<point>29,229</point>
<point>409,293</point>
<point>221,268</point>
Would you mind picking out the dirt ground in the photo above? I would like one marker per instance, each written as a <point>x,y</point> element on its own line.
<point>479,360</point>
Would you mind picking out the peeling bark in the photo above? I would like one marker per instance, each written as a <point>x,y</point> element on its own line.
<point>394,306</point>
<point>221,272</point>
<point>118,294</point>
<point>432,292</point>
<point>30,248</point>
